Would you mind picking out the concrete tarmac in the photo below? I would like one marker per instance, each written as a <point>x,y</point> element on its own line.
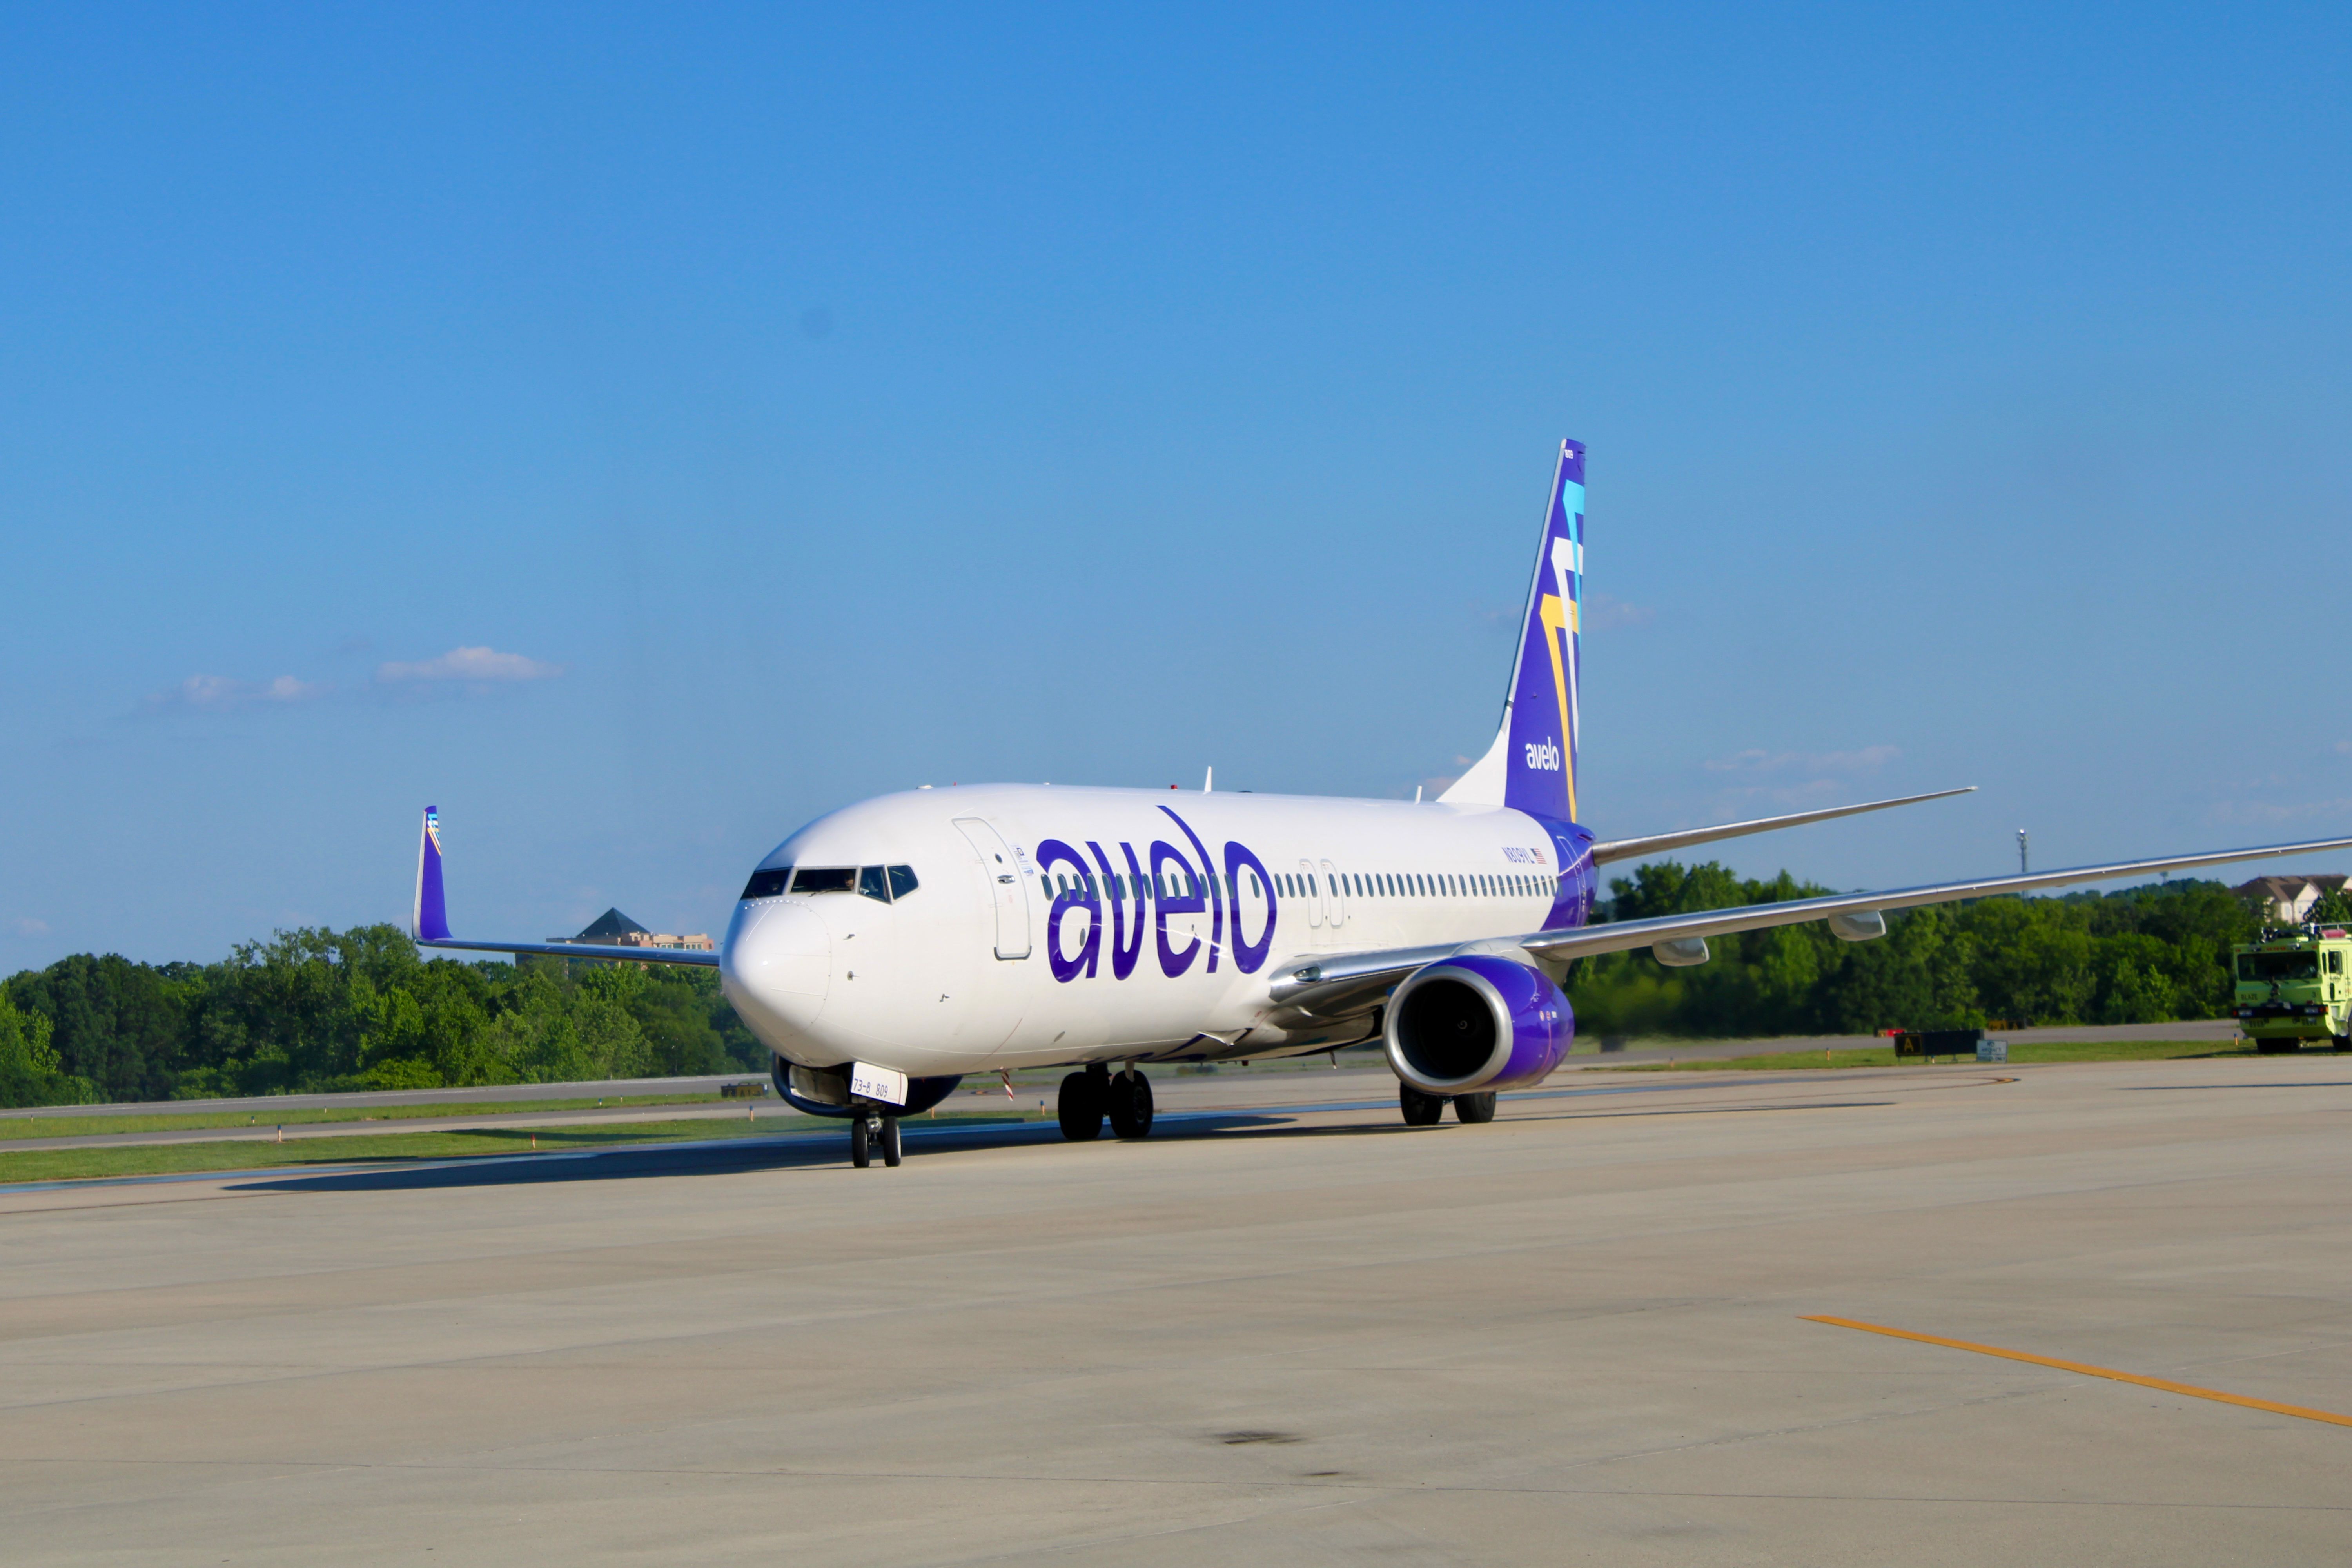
<point>1294,1333</point>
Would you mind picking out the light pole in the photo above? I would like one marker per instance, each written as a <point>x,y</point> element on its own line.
<point>2021,852</point>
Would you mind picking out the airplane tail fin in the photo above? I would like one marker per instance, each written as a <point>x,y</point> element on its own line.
<point>1531,766</point>
<point>428,918</point>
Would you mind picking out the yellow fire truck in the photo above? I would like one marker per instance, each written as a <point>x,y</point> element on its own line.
<point>2293,986</point>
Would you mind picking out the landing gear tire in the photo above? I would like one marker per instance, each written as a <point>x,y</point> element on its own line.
<point>1079,1107</point>
<point>2339,1042</point>
<point>1130,1105</point>
<point>861,1149</point>
<point>1474,1108</point>
<point>1419,1110</point>
<point>890,1141</point>
<point>2277,1048</point>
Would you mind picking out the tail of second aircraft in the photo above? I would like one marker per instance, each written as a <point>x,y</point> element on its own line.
<point>428,918</point>
<point>1531,766</point>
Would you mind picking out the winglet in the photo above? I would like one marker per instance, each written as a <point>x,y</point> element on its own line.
<point>428,918</point>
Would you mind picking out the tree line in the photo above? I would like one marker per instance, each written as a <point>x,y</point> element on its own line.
<point>317,1010</point>
<point>321,1010</point>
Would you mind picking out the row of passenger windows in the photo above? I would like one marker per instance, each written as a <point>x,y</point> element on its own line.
<point>1301,885</point>
<point>885,884</point>
<point>1419,885</point>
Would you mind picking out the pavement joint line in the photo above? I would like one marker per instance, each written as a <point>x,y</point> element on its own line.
<point>2086,1370</point>
<point>913,1130</point>
<point>1256,1483</point>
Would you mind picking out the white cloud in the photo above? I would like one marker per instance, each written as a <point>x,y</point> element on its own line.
<point>471,664</point>
<point>218,692</point>
<point>1607,613</point>
<point>28,926</point>
<point>1603,612</point>
<point>1870,759</point>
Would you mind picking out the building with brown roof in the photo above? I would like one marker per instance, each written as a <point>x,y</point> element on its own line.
<point>2288,900</point>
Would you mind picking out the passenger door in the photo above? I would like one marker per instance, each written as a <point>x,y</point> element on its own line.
<point>1012,898</point>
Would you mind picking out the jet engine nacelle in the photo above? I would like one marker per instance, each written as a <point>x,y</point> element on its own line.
<point>1474,1022</point>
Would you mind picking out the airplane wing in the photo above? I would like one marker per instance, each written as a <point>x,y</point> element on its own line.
<point>1609,850</point>
<point>428,921</point>
<point>1330,987</point>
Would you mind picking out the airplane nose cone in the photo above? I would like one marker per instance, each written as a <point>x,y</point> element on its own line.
<point>775,967</point>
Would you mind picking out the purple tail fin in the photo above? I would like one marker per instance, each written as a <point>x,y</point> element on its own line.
<point>1531,766</point>
<point>428,919</point>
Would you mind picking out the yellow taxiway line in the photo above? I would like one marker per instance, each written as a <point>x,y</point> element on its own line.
<point>2087,1370</point>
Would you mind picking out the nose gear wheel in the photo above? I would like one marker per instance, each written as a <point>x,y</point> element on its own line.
<point>868,1132</point>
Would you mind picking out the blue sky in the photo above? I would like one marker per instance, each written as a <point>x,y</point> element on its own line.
<point>639,431</point>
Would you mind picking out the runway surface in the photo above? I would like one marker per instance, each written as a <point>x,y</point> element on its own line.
<point>1283,1329</point>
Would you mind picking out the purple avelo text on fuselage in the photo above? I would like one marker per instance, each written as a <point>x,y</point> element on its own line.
<point>1095,884</point>
<point>1200,892</point>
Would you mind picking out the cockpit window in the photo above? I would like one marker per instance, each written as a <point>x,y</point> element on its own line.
<point>885,884</point>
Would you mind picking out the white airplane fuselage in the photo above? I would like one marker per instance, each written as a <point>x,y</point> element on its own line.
<point>1052,924</point>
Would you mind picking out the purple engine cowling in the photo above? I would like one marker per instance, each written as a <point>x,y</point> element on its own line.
<point>1479,1021</point>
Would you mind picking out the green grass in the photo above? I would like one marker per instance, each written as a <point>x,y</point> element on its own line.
<point>473,1142</point>
<point>1883,1055</point>
<point>13,1127</point>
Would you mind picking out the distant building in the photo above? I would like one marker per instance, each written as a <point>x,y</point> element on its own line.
<point>613,928</point>
<point>2288,899</point>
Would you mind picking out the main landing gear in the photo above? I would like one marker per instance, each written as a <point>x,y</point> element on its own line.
<point>869,1130</point>
<point>1089,1096</point>
<point>1426,1109</point>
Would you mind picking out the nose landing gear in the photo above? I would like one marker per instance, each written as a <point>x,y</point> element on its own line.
<point>869,1130</point>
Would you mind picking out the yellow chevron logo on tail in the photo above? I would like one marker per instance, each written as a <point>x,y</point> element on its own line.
<point>1559,619</point>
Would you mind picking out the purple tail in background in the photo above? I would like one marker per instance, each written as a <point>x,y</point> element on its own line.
<point>428,919</point>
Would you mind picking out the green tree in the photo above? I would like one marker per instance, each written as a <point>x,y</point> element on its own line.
<point>114,1023</point>
<point>30,1072</point>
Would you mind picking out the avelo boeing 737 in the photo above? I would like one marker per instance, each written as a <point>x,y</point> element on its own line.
<point>888,947</point>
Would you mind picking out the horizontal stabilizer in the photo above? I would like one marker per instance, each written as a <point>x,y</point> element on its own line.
<point>1660,843</point>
